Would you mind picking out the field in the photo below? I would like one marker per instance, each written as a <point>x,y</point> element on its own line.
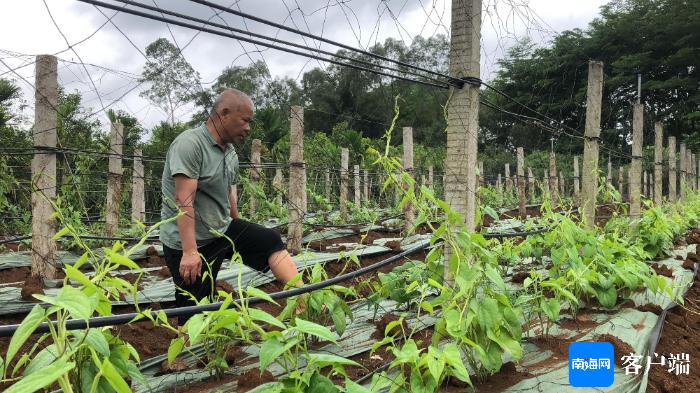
<point>503,325</point>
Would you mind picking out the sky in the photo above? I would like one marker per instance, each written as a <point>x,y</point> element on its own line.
<point>110,44</point>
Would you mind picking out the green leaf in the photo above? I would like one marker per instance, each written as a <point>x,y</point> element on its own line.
<point>255,292</point>
<point>409,353</point>
<point>436,362</point>
<point>506,343</point>
<point>271,349</point>
<point>454,323</point>
<point>87,377</point>
<point>270,387</point>
<point>94,339</point>
<point>121,260</point>
<point>63,232</point>
<point>175,348</point>
<point>112,376</point>
<point>46,377</point>
<point>487,312</point>
<point>314,329</point>
<point>41,360</point>
<point>393,324</point>
<point>260,315</point>
<point>195,326</point>
<point>551,308</point>
<point>607,297</point>
<point>422,385</point>
<point>491,357</point>
<point>25,329</point>
<point>453,357</point>
<point>321,384</point>
<point>326,359</point>
<point>132,371</point>
<point>488,210</point>
<point>80,262</point>
<point>77,303</point>
<point>76,275</point>
<point>353,387</point>
<point>495,277</point>
<point>338,316</point>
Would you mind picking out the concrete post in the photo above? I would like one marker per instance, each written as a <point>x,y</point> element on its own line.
<point>689,162</point>
<point>520,171</point>
<point>356,172</point>
<point>562,185</point>
<point>365,188</point>
<point>531,183</point>
<point>44,168</point>
<point>344,159</point>
<point>509,181</point>
<point>577,179</point>
<point>408,212</point>
<point>482,176</point>
<point>138,199</point>
<point>658,162</point>
<point>463,115</point>
<point>697,173</point>
<point>255,148</point>
<point>114,179</point>
<point>277,182</point>
<point>430,178</point>
<point>683,169</point>
<point>646,185</point>
<point>691,170</point>
<point>609,178</point>
<point>328,184</point>
<point>672,169</point>
<point>297,180</point>
<point>553,180</point>
<point>590,145</point>
<point>621,182</point>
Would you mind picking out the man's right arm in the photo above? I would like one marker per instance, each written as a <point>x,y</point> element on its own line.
<point>190,264</point>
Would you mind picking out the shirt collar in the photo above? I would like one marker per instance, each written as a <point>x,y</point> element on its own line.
<point>208,135</point>
<point>226,147</point>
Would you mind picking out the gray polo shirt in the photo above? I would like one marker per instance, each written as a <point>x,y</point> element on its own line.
<point>195,154</point>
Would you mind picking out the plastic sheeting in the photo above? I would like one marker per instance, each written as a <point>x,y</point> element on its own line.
<point>628,325</point>
<point>155,289</point>
<point>355,340</point>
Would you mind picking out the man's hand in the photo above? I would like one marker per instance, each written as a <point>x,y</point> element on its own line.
<point>190,267</point>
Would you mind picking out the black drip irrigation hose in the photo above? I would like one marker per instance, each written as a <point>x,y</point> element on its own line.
<point>86,237</point>
<point>514,234</point>
<point>121,319</point>
<point>14,239</point>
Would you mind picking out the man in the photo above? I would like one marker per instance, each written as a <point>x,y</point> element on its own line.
<point>199,179</point>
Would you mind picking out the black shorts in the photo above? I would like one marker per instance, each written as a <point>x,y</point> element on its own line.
<point>253,242</point>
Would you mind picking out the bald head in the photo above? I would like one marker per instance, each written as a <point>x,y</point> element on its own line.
<point>231,99</point>
<point>229,120</point>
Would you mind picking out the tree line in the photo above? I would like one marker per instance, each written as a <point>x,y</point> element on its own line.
<point>344,107</point>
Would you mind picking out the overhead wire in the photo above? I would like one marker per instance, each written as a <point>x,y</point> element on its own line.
<point>450,79</point>
<point>255,41</point>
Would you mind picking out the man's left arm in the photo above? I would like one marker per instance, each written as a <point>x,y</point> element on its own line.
<point>233,200</point>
